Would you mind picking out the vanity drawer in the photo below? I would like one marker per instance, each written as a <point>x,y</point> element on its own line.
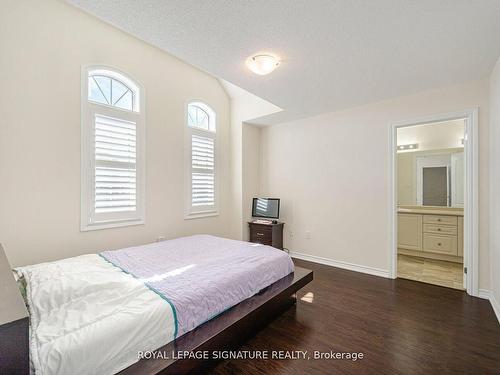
<point>440,219</point>
<point>440,229</point>
<point>440,244</point>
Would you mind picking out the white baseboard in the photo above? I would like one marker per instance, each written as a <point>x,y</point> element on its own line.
<point>340,264</point>
<point>484,293</point>
<point>495,305</point>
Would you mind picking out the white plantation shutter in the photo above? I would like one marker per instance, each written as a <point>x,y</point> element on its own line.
<point>115,165</point>
<point>201,138</point>
<point>112,155</point>
<point>203,171</point>
<point>115,189</point>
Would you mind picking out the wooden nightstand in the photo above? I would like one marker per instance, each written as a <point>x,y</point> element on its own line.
<point>267,234</point>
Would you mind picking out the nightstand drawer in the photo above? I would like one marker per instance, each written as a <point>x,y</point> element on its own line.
<point>261,236</point>
<point>267,234</point>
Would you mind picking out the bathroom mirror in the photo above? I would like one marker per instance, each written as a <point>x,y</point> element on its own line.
<point>431,178</point>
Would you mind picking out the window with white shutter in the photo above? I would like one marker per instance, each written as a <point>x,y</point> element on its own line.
<point>112,150</point>
<point>201,198</point>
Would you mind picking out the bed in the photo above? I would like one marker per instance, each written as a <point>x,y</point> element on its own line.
<point>94,313</point>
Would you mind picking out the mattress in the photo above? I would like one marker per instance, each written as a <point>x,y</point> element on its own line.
<point>93,313</point>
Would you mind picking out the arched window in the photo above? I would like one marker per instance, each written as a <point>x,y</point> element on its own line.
<point>113,89</point>
<point>112,150</point>
<point>201,197</point>
<point>201,116</point>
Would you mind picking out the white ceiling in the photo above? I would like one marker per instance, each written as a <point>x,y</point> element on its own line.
<point>337,53</point>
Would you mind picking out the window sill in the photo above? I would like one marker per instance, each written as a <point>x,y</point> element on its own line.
<point>111,224</point>
<point>200,215</point>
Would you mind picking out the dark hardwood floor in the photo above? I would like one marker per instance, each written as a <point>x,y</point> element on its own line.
<point>401,327</point>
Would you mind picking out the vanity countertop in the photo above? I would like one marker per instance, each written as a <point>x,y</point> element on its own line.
<point>433,210</point>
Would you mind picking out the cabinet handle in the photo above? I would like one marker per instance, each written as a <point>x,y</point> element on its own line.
<point>260,234</point>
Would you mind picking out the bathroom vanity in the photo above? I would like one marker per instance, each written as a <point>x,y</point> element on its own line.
<point>431,232</point>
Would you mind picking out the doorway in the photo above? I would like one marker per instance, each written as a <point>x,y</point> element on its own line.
<point>433,203</point>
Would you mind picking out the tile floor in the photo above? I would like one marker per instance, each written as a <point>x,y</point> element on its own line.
<point>431,271</point>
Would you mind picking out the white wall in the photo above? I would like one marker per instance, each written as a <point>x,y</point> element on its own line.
<point>332,173</point>
<point>43,46</point>
<point>407,179</point>
<point>495,186</point>
<point>245,155</point>
<point>251,173</point>
<point>437,136</point>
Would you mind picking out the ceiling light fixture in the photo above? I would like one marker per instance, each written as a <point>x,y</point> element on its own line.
<point>412,146</point>
<point>263,63</point>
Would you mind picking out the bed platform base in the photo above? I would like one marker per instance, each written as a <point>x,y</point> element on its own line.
<point>227,331</point>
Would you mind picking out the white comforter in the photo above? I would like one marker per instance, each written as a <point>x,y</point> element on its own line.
<point>89,317</point>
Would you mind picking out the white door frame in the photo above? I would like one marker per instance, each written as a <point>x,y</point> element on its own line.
<point>471,237</point>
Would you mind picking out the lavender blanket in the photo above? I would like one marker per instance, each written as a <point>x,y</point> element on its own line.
<point>202,276</point>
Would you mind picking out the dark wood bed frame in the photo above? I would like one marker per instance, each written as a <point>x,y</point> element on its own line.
<point>227,331</point>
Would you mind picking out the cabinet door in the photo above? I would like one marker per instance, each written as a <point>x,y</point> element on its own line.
<point>410,231</point>
<point>460,236</point>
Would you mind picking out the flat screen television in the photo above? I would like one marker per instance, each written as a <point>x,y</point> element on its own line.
<point>266,207</point>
